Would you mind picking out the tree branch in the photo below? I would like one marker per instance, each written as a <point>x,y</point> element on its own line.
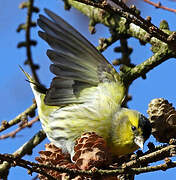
<point>115,22</point>
<point>108,15</point>
<point>128,168</point>
<point>28,42</point>
<point>23,150</point>
<point>13,133</point>
<point>129,16</point>
<point>5,125</point>
<point>150,157</point>
<point>159,5</point>
<point>105,43</point>
<point>15,161</point>
<point>130,74</point>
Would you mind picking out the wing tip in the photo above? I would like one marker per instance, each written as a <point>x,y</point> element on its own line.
<point>47,11</point>
<point>49,52</point>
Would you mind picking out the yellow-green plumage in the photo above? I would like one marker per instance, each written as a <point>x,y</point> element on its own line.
<point>86,94</point>
<point>123,121</point>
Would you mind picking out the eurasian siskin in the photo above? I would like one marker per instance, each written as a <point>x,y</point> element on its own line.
<point>86,94</point>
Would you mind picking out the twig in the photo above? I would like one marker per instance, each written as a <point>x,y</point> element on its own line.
<point>152,157</point>
<point>5,125</point>
<point>13,133</point>
<point>163,167</point>
<point>35,178</point>
<point>23,150</point>
<point>159,5</point>
<point>15,161</point>
<point>105,43</point>
<point>126,51</point>
<point>124,60</point>
<point>28,43</point>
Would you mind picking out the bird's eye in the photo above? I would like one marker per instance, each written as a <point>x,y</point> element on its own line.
<point>133,128</point>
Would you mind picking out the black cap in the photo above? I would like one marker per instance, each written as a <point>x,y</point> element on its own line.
<point>145,125</point>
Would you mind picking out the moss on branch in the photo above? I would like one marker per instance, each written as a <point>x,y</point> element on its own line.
<point>163,50</point>
<point>114,21</point>
<point>130,74</point>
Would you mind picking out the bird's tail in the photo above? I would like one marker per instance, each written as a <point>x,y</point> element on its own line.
<point>39,92</point>
<point>38,89</point>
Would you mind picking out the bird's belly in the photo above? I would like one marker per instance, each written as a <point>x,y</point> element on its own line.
<point>69,123</point>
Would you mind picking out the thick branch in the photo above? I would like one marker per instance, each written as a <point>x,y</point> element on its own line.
<point>119,24</point>
<point>130,17</point>
<point>130,74</point>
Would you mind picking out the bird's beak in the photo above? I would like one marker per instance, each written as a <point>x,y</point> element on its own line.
<point>139,140</point>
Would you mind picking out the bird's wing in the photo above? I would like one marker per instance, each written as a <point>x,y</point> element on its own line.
<point>79,67</point>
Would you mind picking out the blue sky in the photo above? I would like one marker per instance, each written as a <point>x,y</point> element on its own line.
<point>16,94</point>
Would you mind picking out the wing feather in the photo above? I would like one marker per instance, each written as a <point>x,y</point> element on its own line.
<point>79,67</point>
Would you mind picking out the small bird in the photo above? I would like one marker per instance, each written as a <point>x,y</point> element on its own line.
<point>85,95</point>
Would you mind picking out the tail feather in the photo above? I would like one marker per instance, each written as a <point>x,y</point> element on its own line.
<point>34,85</point>
<point>30,79</point>
<point>39,92</point>
<point>38,89</point>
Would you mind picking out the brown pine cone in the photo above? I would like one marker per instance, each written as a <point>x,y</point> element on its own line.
<point>90,151</point>
<point>54,156</point>
<point>162,116</point>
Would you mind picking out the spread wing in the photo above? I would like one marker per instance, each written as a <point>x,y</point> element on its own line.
<point>79,67</point>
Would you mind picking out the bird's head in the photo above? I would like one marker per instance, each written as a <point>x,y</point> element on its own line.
<point>131,129</point>
<point>144,130</point>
